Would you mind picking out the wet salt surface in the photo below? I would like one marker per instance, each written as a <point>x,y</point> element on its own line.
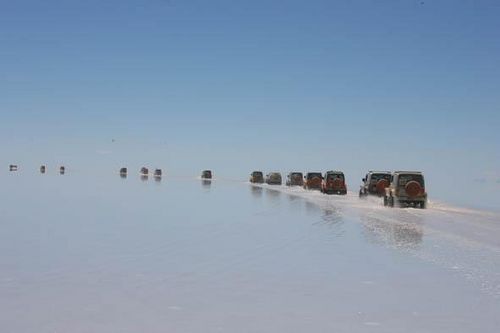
<point>105,254</point>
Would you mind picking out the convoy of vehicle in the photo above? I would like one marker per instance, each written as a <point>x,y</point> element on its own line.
<point>375,183</point>
<point>43,168</point>
<point>312,181</point>
<point>333,183</point>
<point>294,179</point>
<point>398,189</point>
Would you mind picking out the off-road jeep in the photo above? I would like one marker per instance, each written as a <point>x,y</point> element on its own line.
<point>334,183</point>
<point>407,188</point>
<point>312,181</point>
<point>375,182</point>
<point>257,177</point>
<point>273,178</point>
<point>206,174</point>
<point>294,179</point>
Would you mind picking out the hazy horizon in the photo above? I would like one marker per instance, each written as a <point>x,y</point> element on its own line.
<point>236,86</point>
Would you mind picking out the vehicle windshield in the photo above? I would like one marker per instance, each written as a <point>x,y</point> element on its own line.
<point>314,174</point>
<point>257,174</point>
<point>378,176</point>
<point>404,179</point>
<point>333,176</point>
<point>296,175</point>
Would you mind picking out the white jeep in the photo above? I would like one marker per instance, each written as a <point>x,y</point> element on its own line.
<point>407,189</point>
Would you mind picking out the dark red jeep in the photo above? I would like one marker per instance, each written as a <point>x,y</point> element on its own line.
<point>334,183</point>
<point>312,181</point>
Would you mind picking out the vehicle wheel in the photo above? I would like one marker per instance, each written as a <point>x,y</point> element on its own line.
<point>423,205</point>
<point>385,201</point>
<point>391,202</point>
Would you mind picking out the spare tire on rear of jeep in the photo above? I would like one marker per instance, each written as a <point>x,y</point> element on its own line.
<point>413,188</point>
<point>381,186</point>
<point>337,183</point>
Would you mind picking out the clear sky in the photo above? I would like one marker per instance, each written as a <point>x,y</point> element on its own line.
<point>242,85</point>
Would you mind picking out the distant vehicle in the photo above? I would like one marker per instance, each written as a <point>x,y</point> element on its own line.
<point>62,170</point>
<point>312,181</point>
<point>42,169</point>
<point>12,167</point>
<point>157,173</point>
<point>123,171</point>
<point>334,183</point>
<point>273,178</point>
<point>407,188</point>
<point>294,179</point>
<point>206,174</point>
<point>144,171</point>
<point>257,177</point>
<point>375,182</point>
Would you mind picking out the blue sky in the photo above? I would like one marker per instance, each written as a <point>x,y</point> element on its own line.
<point>243,85</point>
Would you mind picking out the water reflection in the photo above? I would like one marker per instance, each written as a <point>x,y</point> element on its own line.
<point>312,209</point>
<point>123,175</point>
<point>293,198</point>
<point>295,202</point>
<point>256,191</point>
<point>273,195</point>
<point>206,183</point>
<point>404,232</point>
<point>144,178</point>
<point>331,216</point>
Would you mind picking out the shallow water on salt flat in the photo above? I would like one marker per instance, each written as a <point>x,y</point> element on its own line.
<point>105,254</point>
